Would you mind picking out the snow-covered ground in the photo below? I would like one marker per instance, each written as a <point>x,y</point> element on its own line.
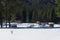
<point>29,34</point>
<point>28,25</point>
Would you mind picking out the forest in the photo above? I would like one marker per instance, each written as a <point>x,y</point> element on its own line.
<point>30,10</point>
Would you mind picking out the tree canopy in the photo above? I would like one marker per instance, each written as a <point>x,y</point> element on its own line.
<point>42,9</point>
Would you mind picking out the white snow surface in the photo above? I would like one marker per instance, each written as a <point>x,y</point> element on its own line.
<point>29,34</point>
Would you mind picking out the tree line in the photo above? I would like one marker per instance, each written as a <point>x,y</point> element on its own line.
<point>39,9</point>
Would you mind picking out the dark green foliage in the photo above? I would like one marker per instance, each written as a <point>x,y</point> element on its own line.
<point>42,9</point>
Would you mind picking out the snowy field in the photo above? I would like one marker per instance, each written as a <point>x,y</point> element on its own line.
<point>29,34</point>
